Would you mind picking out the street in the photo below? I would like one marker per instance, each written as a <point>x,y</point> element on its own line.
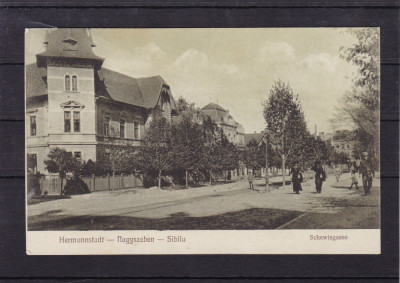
<point>222,206</point>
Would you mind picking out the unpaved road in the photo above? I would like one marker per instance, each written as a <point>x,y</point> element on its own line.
<point>227,206</point>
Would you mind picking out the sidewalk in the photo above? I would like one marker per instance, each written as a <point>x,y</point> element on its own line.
<point>120,199</point>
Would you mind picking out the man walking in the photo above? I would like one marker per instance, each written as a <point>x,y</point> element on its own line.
<point>320,175</point>
<point>367,172</point>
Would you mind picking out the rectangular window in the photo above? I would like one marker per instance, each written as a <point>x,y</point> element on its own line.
<point>77,122</point>
<point>67,122</point>
<point>78,155</point>
<point>33,125</point>
<point>74,83</point>
<point>122,128</point>
<point>136,130</point>
<point>67,83</point>
<point>106,126</point>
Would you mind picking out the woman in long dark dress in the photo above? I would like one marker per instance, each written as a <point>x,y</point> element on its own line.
<point>297,178</point>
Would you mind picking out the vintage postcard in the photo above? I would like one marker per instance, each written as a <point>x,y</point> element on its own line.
<point>202,141</point>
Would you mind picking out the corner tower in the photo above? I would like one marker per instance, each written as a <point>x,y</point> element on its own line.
<point>70,64</point>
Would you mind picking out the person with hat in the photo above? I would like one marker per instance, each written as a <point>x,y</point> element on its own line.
<point>320,175</point>
<point>366,169</point>
<point>297,178</point>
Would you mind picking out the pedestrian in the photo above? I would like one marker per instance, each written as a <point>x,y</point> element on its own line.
<point>337,173</point>
<point>367,172</point>
<point>297,178</point>
<point>250,178</point>
<point>320,175</point>
<point>354,179</point>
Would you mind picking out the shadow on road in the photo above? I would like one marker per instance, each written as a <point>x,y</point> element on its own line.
<point>249,219</point>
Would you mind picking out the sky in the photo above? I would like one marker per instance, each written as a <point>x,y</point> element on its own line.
<point>235,68</point>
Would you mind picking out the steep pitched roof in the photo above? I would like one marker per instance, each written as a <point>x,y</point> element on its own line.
<point>70,43</point>
<point>121,87</point>
<point>143,92</point>
<point>36,80</point>
<point>216,112</point>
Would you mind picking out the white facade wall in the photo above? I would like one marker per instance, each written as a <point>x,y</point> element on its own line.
<point>83,141</point>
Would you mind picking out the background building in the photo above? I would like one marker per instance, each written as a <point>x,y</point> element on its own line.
<point>233,130</point>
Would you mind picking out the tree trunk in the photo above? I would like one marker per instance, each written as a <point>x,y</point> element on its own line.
<point>210,178</point>
<point>187,182</point>
<point>159,179</point>
<point>61,188</point>
<point>283,170</point>
<point>113,178</point>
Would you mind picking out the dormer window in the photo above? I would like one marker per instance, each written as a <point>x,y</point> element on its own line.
<point>70,44</point>
<point>71,84</point>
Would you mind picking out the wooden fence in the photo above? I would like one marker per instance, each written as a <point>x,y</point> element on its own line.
<point>52,184</point>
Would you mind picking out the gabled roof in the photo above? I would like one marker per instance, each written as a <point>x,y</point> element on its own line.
<point>36,80</point>
<point>69,43</point>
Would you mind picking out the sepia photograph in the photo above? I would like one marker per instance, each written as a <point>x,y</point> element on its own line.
<point>184,130</point>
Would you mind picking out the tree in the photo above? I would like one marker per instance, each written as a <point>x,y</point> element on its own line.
<point>116,156</point>
<point>254,155</point>
<point>184,106</point>
<point>187,145</point>
<point>359,108</point>
<point>229,155</point>
<point>285,120</point>
<point>155,152</point>
<point>88,168</point>
<point>212,155</point>
<point>339,158</point>
<point>62,162</point>
<point>322,150</point>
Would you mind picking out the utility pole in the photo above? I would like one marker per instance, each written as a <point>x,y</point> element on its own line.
<point>266,160</point>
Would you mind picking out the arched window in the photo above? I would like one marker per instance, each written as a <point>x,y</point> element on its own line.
<point>67,83</point>
<point>74,83</point>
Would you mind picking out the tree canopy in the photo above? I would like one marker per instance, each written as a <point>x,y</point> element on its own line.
<point>359,108</point>
<point>286,122</point>
<point>62,162</point>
